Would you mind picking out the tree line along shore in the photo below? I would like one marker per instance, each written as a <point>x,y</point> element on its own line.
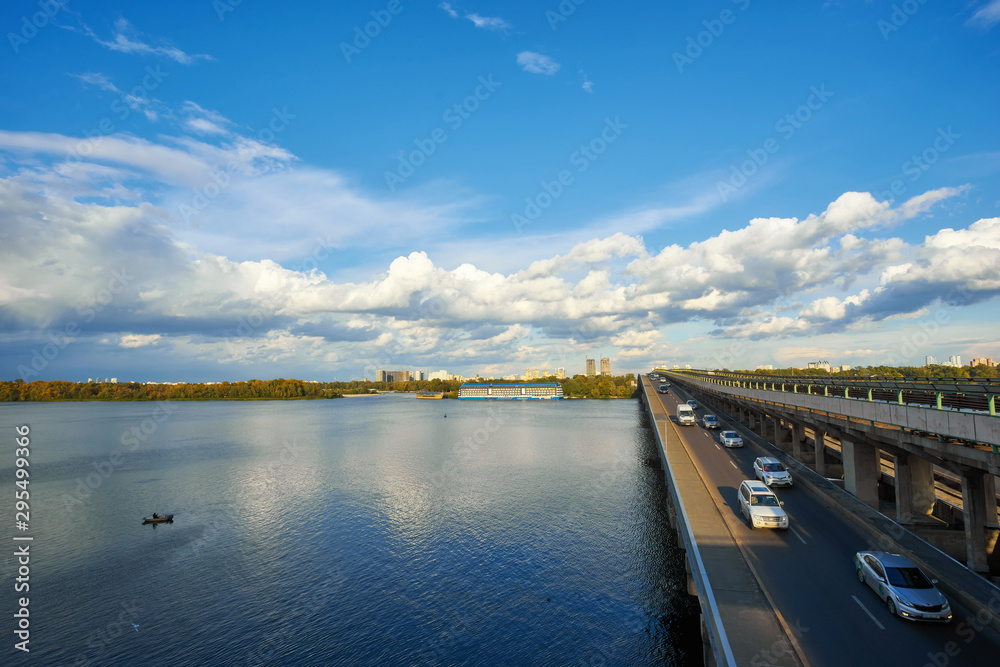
<point>580,386</point>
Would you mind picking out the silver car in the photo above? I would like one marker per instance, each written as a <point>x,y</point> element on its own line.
<point>770,471</point>
<point>902,586</point>
<point>730,439</point>
<point>710,421</point>
<point>760,506</point>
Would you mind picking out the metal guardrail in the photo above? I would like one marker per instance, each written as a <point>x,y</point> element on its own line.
<point>974,395</point>
<point>964,419</point>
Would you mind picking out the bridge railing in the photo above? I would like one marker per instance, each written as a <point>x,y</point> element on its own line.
<point>972,395</point>
<point>939,414</point>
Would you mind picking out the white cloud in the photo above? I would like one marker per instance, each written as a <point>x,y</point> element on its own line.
<point>536,63</point>
<point>189,288</point>
<point>152,108</point>
<point>138,340</point>
<point>988,15</point>
<point>125,40</point>
<point>448,8</point>
<point>205,121</point>
<point>97,79</point>
<point>488,22</point>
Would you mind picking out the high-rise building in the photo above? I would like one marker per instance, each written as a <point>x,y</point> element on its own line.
<point>393,376</point>
<point>930,361</point>
<point>605,366</point>
<point>560,373</point>
<point>955,360</point>
<point>591,367</point>
<point>983,361</point>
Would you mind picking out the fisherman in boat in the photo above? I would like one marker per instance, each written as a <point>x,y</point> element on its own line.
<point>154,516</point>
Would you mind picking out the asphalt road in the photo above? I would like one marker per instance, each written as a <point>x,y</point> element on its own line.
<point>808,571</point>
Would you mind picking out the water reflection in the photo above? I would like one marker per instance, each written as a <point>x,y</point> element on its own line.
<point>354,532</point>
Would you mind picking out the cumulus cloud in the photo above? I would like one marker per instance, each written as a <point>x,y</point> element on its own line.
<point>536,63</point>
<point>100,242</point>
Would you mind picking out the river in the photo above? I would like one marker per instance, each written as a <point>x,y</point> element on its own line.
<point>359,531</point>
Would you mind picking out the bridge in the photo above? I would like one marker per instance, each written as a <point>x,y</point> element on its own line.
<point>896,464</point>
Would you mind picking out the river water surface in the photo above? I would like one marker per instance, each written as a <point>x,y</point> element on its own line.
<point>356,531</point>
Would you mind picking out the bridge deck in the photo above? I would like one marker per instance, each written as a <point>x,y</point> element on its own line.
<point>751,625</point>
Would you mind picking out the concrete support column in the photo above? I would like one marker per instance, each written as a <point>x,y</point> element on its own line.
<point>976,533</point>
<point>915,494</point>
<point>861,471</point>
<point>798,436</point>
<point>819,444</point>
<point>779,433</point>
<point>990,493</point>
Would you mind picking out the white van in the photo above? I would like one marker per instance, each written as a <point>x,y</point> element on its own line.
<point>685,415</point>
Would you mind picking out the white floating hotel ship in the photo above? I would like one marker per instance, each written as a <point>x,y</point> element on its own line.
<point>526,390</point>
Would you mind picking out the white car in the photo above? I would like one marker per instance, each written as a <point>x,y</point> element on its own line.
<point>730,439</point>
<point>760,506</point>
<point>771,471</point>
<point>902,586</point>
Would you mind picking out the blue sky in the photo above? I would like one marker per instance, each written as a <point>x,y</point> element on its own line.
<point>207,191</point>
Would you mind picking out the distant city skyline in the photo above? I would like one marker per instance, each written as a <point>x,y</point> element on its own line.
<point>196,194</point>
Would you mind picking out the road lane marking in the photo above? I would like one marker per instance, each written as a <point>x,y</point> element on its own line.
<point>733,464</point>
<point>796,534</point>
<point>875,620</point>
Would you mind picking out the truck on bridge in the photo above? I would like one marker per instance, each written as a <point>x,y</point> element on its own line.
<point>685,415</point>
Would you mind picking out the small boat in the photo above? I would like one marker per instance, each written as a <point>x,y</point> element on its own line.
<point>159,519</point>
